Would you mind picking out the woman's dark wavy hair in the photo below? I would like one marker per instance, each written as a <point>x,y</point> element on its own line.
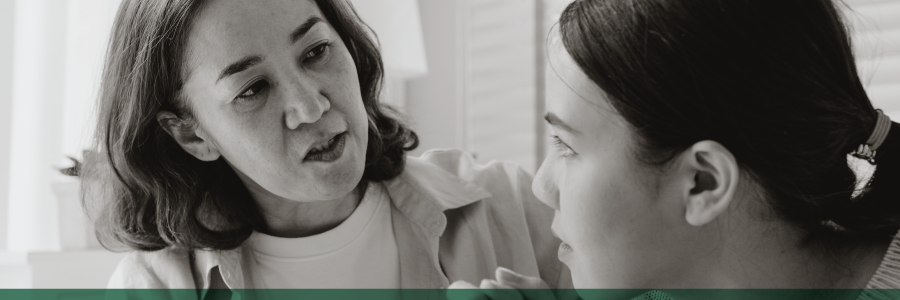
<point>143,190</point>
<point>773,81</point>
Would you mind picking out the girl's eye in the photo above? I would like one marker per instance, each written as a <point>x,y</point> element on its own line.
<point>560,146</point>
<point>253,90</point>
<point>316,53</point>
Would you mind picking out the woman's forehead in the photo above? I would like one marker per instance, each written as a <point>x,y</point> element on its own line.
<point>236,23</point>
<point>227,31</point>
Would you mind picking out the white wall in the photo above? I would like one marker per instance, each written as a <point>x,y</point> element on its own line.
<point>875,31</point>
<point>434,102</point>
<point>398,28</point>
<point>481,90</point>
<point>88,24</point>
<point>37,113</point>
<point>58,49</point>
<point>6,58</point>
<point>500,75</point>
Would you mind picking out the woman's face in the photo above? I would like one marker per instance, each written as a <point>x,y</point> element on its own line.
<point>275,91</point>
<point>616,227</point>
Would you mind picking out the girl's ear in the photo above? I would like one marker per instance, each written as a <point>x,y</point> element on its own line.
<point>189,135</point>
<point>709,176</point>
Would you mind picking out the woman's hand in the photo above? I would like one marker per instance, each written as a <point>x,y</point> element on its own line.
<point>508,285</point>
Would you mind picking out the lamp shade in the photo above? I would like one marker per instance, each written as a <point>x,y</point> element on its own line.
<point>399,30</point>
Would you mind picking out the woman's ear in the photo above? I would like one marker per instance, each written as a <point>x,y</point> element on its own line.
<point>711,176</point>
<point>189,135</point>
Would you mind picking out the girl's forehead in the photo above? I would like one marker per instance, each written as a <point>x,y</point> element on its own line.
<point>574,97</point>
<point>568,85</point>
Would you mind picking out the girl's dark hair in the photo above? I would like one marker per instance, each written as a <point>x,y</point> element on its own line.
<point>142,189</point>
<point>773,81</point>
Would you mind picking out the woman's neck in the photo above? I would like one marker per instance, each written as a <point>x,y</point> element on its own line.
<point>291,219</point>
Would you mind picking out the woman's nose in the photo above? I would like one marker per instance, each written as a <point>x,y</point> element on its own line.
<point>304,104</point>
<point>544,185</point>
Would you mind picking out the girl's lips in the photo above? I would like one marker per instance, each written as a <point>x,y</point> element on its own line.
<point>564,249</point>
<point>563,246</point>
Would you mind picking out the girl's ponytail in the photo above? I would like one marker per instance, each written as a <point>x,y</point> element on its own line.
<point>876,210</point>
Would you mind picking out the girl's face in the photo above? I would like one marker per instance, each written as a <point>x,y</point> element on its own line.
<point>275,92</point>
<point>619,229</point>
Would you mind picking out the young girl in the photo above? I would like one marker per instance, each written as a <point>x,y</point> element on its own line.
<point>709,145</point>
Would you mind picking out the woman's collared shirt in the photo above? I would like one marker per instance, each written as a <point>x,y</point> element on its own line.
<point>453,220</point>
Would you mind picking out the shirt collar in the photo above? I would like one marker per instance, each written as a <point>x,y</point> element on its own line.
<point>228,263</point>
<point>422,192</point>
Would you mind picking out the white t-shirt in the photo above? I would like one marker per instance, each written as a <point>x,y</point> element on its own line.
<point>361,252</point>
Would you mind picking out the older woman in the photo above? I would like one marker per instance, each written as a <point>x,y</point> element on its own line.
<point>709,144</point>
<point>244,147</point>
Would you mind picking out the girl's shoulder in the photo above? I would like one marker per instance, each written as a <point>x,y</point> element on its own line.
<point>885,284</point>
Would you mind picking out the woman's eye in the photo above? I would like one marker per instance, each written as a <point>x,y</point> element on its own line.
<point>560,146</point>
<point>316,52</point>
<point>253,90</point>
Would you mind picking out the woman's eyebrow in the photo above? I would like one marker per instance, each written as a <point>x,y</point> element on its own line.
<point>252,60</point>
<point>303,28</point>
<point>240,66</point>
<point>556,121</point>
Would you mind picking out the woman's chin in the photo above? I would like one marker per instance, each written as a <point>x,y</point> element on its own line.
<point>330,180</point>
<point>330,186</point>
<point>326,190</point>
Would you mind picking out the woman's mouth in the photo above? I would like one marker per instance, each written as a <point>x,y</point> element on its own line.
<point>330,151</point>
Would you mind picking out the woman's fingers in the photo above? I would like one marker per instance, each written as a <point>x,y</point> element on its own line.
<point>509,285</point>
<point>498,291</point>
<point>529,287</point>
<point>508,277</point>
<point>462,284</point>
<point>463,290</point>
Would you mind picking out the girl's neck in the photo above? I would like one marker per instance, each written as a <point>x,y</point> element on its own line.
<point>779,258</point>
<point>784,258</point>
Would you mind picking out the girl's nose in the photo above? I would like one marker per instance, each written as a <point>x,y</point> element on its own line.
<point>544,185</point>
